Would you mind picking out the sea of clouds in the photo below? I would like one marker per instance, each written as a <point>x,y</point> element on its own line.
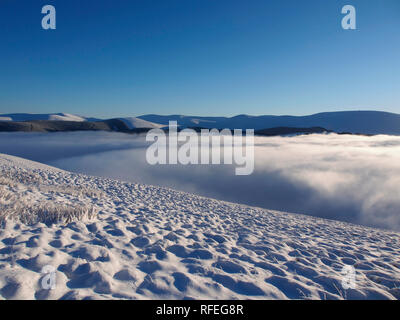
<point>343,177</point>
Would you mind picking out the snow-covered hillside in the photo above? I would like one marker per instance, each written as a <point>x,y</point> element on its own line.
<point>122,240</point>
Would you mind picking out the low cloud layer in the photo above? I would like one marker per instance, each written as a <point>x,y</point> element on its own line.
<point>349,178</point>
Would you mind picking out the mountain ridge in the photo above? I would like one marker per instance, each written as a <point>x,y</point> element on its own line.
<point>364,122</point>
<point>357,122</point>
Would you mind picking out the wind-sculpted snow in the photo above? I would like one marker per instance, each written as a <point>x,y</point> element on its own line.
<point>152,242</point>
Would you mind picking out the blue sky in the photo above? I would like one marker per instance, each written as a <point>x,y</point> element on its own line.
<point>199,57</point>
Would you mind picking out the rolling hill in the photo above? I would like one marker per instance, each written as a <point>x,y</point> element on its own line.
<point>363,122</point>
<point>356,122</point>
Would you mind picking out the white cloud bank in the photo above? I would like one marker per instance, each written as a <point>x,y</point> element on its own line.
<point>349,178</point>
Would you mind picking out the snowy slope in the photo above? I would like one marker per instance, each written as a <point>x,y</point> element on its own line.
<point>46,116</point>
<point>145,242</point>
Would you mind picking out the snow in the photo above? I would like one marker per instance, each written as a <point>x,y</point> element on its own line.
<point>359,122</point>
<point>136,123</point>
<point>66,117</point>
<point>365,122</point>
<point>146,242</point>
<point>131,122</point>
<point>45,116</point>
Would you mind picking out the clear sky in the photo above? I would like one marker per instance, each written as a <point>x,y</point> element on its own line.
<point>199,57</point>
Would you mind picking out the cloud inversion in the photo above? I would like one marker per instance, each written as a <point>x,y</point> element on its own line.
<point>349,178</point>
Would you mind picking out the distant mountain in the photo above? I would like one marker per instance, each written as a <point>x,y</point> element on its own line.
<point>44,116</point>
<point>136,123</point>
<point>186,121</point>
<point>115,125</point>
<point>363,122</point>
<point>285,131</point>
<point>122,125</point>
<point>130,122</point>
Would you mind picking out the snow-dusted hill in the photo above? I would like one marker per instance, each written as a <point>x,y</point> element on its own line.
<point>128,241</point>
<point>136,123</point>
<point>357,122</point>
<point>365,122</point>
<point>44,116</point>
<point>130,122</point>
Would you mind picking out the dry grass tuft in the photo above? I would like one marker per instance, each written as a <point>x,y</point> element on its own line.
<point>25,197</point>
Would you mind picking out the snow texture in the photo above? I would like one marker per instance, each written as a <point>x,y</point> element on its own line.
<point>108,239</point>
